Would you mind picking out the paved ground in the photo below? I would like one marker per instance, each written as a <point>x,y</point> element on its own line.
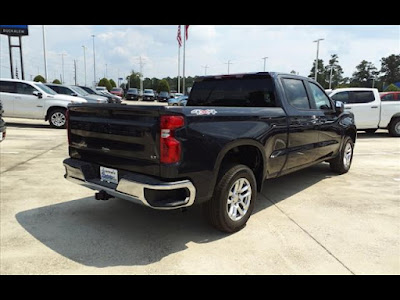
<point>310,222</point>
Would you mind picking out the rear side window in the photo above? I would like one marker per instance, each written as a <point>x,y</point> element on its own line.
<point>7,87</point>
<point>341,96</point>
<point>296,93</point>
<point>233,92</point>
<point>362,97</point>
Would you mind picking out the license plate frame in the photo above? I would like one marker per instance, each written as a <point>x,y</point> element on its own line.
<point>108,175</point>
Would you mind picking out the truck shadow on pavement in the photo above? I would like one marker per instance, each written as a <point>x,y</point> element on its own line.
<point>120,233</point>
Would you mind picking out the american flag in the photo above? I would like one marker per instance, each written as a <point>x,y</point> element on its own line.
<point>179,38</point>
<point>186,31</point>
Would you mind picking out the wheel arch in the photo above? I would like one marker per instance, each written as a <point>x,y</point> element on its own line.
<point>243,151</point>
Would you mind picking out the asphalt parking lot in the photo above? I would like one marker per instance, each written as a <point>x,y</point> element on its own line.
<point>309,222</point>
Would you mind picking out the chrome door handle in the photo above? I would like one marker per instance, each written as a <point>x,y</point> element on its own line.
<point>374,106</point>
<point>39,105</point>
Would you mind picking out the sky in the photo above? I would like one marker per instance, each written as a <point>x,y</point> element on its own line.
<point>121,47</point>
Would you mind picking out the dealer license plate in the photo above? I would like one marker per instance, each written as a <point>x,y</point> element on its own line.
<point>108,175</point>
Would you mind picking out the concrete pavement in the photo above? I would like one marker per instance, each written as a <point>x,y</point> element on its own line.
<point>309,222</point>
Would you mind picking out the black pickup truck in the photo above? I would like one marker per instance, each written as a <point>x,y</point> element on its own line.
<point>235,132</point>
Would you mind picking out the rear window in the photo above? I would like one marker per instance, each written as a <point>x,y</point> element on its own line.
<point>233,92</point>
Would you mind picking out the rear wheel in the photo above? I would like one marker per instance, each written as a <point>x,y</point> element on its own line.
<point>341,164</point>
<point>57,118</point>
<point>394,127</point>
<point>233,199</point>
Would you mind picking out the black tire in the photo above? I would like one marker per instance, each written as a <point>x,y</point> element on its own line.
<point>370,131</point>
<point>57,118</point>
<point>216,210</point>
<point>394,127</point>
<point>339,164</point>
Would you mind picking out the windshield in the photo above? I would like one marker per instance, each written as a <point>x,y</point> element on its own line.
<point>45,89</point>
<point>249,91</point>
<point>132,90</point>
<point>79,91</point>
<point>164,94</point>
<point>148,92</point>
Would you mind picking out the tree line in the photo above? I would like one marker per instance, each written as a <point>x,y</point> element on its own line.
<point>329,76</point>
<point>365,75</point>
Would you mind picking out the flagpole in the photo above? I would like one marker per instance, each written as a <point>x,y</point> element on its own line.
<point>179,68</point>
<point>184,54</point>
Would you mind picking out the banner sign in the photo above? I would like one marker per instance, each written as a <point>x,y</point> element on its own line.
<point>14,30</point>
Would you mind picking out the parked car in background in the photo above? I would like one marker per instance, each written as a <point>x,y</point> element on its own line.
<point>148,95</point>
<point>76,91</point>
<point>163,96</point>
<point>101,88</point>
<point>111,98</point>
<point>390,96</point>
<point>132,94</point>
<point>34,100</point>
<point>117,91</point>
<point>177,101</point>
<point>370,112</point>
<point>2,124</point>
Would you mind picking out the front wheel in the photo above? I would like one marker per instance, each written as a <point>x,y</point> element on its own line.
<point>233,200</point>
<point>341,164</point>
<point>57,118</point>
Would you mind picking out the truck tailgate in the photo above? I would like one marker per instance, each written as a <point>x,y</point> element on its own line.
<point>121,137</point>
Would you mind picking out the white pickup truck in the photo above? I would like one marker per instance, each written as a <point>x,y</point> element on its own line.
<point>370,113</point>
<point>34,100</point>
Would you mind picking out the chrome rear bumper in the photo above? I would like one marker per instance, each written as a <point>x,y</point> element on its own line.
<point>132,187</point>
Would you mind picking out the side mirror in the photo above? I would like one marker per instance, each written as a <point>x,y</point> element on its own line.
<point>37,94</point>
<point>74,94</point>
<point>339,107</point>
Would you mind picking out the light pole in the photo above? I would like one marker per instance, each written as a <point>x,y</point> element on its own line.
<point>205,69</point>
<point>264,58</point>
<point>94,62</point>
<point>316,61</point>
<point>62,59</point>
<point>228,63</point>
<point>84,60</point>
<point>44,53</point>
<point>330,76</point>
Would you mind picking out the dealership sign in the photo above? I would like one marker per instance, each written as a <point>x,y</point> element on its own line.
<point>15,30</point>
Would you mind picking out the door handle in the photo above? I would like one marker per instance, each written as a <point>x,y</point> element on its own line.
<point>347,108</point>
<point>39,105</point>
<point>374,106</point>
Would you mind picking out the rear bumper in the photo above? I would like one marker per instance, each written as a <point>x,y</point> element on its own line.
<point>134,187</point>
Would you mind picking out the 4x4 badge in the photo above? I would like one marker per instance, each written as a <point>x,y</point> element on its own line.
<point>201,112</point>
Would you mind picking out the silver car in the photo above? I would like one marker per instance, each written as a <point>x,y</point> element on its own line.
<point>76,91</point>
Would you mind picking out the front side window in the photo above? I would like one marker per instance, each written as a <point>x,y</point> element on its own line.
<point>25,89</point>
<point>296,93</point>
<point>362,97</point>
<point>7,87</point>
<point>341,96</point>
<point>321,100</point>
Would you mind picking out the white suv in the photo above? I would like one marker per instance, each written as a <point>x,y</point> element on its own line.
<point>34,100</point>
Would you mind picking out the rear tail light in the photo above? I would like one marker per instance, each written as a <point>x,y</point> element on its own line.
<point>170,148</point>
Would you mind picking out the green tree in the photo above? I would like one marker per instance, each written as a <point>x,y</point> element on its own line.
<point>390,69</point>
<point>134,79</point>
<point>56,81</point>
<point>293,72</point>
<point>392,88</point>
<point>147,84</point>
<point>337,72</point>
<point>39,78</point>
<point>163,86</point>
<point>105,82</point>
<point>113,84</point>
<point>321,74</point>
<point>364,73</point>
